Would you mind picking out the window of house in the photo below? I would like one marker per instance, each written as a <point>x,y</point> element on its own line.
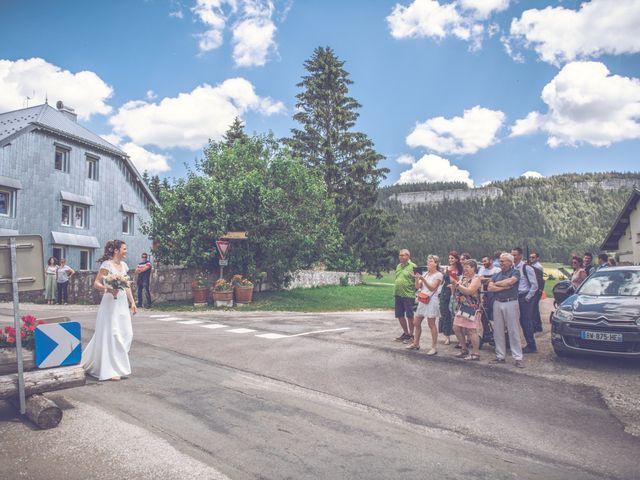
<point>62,159</point>
<point>85,259</point>
<point>92,167</point>
<point>59,252</point>
<point>66,214</point>
<point>7,202</point>
<point>75,216</point>
<point>127,223</point>
<point>80,216</point>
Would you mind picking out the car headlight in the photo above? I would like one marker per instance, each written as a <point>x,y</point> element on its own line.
<point>563,315</point>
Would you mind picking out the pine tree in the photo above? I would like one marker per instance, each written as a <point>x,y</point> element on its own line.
<point>346,160</point>
<point>235,133</point>
<point>154,186</point>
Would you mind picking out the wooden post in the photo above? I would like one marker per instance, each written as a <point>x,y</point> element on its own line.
<point>41,411</point>
<point>39,381</point>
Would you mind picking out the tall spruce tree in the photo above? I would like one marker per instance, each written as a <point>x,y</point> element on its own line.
<point>346,160</point>
<point>235,133</point>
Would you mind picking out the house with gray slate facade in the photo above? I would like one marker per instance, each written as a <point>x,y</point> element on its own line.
<point>67,184</point>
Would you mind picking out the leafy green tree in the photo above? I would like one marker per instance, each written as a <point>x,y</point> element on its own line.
<point>254,186</point>
<point>346,160</point>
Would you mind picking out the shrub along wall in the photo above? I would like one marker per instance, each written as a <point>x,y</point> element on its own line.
<point>172,284</point>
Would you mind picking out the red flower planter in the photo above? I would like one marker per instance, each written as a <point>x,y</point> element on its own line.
<point>243,294</point>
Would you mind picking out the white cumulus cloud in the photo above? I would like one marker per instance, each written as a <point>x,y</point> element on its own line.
<point>251,23</point>
<point>191,119</point>
<point>586,104</point>
<point>405,159</point>
<point>432,168</point>
<point>532,174</point>
<point>253,36</point>
<point>37,79</point>
<point>598,27</point>
<point>143,159</point>
<point>475,130</point>
<point>432,19</point>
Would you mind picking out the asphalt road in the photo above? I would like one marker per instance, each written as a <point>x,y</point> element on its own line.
<point>308,396</point>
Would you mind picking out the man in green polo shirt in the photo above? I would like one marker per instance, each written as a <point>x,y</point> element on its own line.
<point>405,294</point>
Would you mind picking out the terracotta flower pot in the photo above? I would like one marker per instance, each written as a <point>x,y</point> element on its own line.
<point>243,294</point>
<point>200,294</point>
<point>223,296</point>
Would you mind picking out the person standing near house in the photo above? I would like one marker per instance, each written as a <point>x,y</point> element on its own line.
<point>64,274</point>
<point>527,291</point>
<point>50,280</point>
<point>144,279</point>
<point>405,294</point>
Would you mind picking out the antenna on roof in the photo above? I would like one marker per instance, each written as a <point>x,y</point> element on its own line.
<point>26,101</point>
<point>46,98</point>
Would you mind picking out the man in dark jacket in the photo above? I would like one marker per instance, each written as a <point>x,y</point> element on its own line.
<point>144,276</point>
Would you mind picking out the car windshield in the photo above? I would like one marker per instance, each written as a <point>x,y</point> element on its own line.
<point>612,283</point>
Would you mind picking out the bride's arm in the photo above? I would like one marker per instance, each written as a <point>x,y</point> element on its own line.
<point>99,285</point>
<point>132,302</point>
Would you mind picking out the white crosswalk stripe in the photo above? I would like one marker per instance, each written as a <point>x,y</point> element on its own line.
<point>168,319</point>
<point>159,316</point>
<point>213,326</point>
<point>241,330</point>
<point>190,322</point>
<point>272,336</point>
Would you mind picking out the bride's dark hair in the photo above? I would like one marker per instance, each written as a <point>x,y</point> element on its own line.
<point>110,249</point>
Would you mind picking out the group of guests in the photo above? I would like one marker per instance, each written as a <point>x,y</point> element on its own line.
<point>57,275</point>
<point>453,300</point>
<point>582,267</point>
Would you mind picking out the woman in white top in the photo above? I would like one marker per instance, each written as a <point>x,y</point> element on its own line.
<point>107,354</point>
<point>428,285</point>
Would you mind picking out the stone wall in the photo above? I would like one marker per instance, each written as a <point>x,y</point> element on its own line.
<point>172,284</point>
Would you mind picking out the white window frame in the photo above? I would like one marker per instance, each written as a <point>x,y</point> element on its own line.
<point>88,265</point>
<point>11,202</point>
<point>128,220</point>
<point>74,208</point>
<point>65,153</point>
<point>93,164</point>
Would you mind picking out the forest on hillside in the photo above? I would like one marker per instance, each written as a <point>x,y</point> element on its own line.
<point>552,217</point>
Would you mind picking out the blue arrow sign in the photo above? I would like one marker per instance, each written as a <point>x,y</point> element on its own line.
<point>58,344</point>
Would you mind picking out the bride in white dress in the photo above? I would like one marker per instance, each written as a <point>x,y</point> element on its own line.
<point>106,357</point>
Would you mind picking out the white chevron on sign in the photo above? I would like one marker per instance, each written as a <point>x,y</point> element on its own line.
<point>66,344</point>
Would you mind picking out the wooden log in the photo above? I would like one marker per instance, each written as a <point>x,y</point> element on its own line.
<point>41,411</point>
<point>9,360</point>
<point>40,381</point>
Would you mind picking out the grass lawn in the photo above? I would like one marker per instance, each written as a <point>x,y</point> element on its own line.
<point>369,296</point>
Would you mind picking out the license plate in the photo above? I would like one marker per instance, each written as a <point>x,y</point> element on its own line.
<point>601,336</point>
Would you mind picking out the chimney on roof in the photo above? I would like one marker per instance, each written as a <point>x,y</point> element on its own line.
<point>67,111</point>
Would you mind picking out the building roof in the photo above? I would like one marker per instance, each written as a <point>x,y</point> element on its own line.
<point>45,117</point>
<point>620,225</point>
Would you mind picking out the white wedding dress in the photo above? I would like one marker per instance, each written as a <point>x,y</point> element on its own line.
<point>107,354</point>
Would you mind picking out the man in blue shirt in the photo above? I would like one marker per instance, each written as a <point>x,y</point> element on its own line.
<point>144,276</point>
<point>506,310</point>
<point>527,292</point>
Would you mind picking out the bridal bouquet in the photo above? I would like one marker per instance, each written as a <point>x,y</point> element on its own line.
<point>117,281</point>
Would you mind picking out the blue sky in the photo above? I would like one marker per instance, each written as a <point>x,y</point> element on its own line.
<point>470,90</point>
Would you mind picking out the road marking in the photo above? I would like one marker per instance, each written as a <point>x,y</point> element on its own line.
<point>241,330</point>
<point>214,325</point>
<point>168,319</point>
<point>191,322</point>
<point>276,336</point>
<point>159,316</point>
<point>272,336</point>
<point>320,331</point>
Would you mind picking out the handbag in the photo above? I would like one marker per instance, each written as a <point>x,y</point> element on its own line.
<point>424,297</point>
